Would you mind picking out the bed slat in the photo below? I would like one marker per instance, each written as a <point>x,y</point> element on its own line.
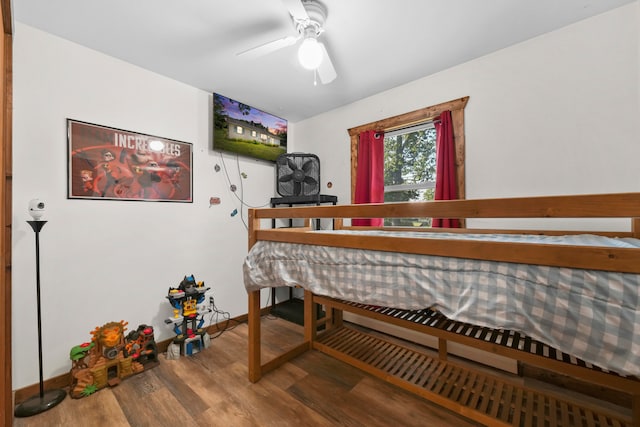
<point>485,398</point>
<point>503,338</point>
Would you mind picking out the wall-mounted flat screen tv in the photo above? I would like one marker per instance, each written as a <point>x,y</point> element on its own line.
<point>244,130</point>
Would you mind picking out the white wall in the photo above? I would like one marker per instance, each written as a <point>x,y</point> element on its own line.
<point>557,114</point>
<point>105,261</point>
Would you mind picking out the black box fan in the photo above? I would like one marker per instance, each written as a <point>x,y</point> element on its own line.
<point>298,174</point>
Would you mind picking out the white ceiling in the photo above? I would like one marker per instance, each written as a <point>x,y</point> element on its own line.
<point>375,45</point>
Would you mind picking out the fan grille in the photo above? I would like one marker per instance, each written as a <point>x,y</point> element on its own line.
<point>298,174</point>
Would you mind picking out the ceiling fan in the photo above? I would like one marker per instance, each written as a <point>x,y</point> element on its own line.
<point>308,18</point>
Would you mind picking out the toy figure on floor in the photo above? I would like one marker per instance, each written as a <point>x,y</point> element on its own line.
<point>188,305</point>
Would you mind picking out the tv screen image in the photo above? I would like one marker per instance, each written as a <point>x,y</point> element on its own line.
<point>244,130</point>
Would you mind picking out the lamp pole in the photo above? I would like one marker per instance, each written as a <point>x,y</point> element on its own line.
<point>44,400</point>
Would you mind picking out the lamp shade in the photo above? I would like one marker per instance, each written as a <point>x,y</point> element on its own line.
<point>310,53</point>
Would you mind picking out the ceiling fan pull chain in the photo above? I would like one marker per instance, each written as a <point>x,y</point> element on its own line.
<point>315,77</point>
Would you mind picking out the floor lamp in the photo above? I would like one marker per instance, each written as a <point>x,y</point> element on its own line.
<point>45,399</point>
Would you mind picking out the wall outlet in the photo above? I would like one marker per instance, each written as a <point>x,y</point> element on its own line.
<point>210,300</point>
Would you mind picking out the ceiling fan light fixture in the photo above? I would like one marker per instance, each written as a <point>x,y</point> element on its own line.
<point>310,53</point>
<point>307,17</point>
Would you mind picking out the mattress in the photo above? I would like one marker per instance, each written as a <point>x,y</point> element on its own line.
<point>593,315</point>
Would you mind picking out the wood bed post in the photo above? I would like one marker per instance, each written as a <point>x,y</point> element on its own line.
<point>635,399</point>
<point>442,349</point>
<point>310,317</point>
<point>333,318</point>
<point>255,359</point>
<point>635,409</point>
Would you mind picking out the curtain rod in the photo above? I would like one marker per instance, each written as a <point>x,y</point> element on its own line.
<point>434,120</point>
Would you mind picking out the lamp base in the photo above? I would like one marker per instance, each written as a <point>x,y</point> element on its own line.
<point>37,404</point>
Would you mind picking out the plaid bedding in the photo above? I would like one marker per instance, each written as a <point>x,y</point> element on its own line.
<point>593,315</point>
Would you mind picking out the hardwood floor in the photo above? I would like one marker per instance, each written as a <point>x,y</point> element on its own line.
<point>211,389</point>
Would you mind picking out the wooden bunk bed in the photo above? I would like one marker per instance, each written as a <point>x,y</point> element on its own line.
<point>610,272</point>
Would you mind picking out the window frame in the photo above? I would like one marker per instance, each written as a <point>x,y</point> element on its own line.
<point>413,118</point>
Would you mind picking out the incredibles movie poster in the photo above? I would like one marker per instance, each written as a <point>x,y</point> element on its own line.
<point>115,164</point>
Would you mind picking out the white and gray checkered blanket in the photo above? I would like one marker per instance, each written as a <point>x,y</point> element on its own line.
<point>592,315</point>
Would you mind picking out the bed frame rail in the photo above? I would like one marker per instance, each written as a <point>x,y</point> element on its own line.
<point>621,205</point>
<point>616,205</point>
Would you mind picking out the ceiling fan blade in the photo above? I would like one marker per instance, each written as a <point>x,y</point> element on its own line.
<point>326,71</point>
<point>296,9</point>
<point>268,47</point>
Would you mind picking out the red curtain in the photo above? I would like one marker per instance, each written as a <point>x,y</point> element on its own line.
<point>445,168</point>
<point>370,173</point>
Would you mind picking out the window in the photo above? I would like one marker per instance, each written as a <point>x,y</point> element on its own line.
<point>410,169</point>
<point>410,160</point>
<point>254,133</point>
<point>410,164</point>
<point>239,130</point>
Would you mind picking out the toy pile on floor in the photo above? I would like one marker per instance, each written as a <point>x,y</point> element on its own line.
<point>110,357</point>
